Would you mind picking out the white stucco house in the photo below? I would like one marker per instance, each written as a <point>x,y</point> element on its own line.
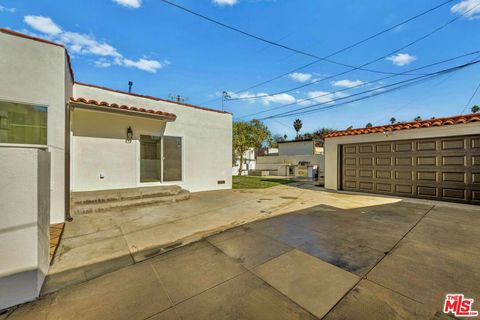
<point>59,136</point>
<point>296,158</point>
<point>249,162</point>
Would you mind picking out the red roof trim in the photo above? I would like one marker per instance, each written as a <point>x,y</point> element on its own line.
<point>22,35</point>
<point>461,119</point>
<point>169,115</point>
<point>151,97</point>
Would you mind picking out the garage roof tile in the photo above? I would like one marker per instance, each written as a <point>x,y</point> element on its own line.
<point>408,125</point>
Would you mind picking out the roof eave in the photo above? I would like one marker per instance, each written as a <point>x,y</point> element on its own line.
<point>125,112</point>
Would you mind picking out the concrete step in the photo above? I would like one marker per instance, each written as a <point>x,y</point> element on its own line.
<point>104,200</point>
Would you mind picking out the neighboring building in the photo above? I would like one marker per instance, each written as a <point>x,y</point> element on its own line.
<point>433,159</point>
<point>86,138</point>
<point>297,158</point>
<point>248,162</point>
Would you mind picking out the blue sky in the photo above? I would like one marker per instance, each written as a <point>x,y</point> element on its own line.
<point>164,51</point>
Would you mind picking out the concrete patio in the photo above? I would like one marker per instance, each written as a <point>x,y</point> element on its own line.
<point>395,260</point>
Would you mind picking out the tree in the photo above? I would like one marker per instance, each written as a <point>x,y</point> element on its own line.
<point>246,135</point>
<point>349,128</point>
<point>369,125</point>
<point>475,109</point>
<point>273,143</point>
<point>297,125</point>
<point>417,118</point>
<point>393,120</point>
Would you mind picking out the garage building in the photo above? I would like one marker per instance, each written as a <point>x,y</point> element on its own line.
<point>435,159</point>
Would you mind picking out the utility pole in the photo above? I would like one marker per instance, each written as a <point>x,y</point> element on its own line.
<point>225,96</point>
<point>177,98</point>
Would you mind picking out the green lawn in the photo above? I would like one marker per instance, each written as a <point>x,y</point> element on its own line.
<point>246,182</point>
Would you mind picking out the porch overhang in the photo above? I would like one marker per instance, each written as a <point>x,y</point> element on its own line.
<point>103,106</point>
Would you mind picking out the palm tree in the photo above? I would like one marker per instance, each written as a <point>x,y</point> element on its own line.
<point>297,125</point>
<point>369,125</point>
<point>417,118</point>
<point>475,109</point>
<point>393,120</point>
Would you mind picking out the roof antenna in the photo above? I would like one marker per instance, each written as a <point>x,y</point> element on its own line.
<point>130,84</point>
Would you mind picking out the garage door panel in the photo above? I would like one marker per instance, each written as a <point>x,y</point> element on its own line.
<point>384,174</point>
<point>427,191</point>
<point>454,177</point>
<point>426,145</point>
<point>404,161</point>
<point>458,144</point>
<point>365,149</point>
<point>403,147</point>
<point>383,187</point>
<point>426,176</point>
<point>453,160</point>
<point>383,161</point>
<point>404,188</point>
<point>383,148</point>
<point>475,143</point>
<point>427,161</point>
<point>365,162</point>
<point>440,168</point>
<point>454,193</point>
<point>403,175</point>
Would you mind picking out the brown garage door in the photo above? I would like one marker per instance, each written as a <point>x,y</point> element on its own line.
<point>441,168</point>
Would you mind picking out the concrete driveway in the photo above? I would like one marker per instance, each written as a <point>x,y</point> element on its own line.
<point>332,261</point>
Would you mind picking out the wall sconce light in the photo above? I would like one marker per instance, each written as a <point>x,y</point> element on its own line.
<point>129,134</point>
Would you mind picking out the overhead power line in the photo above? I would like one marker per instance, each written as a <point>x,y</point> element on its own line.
<point>375,92</point>
<point>365,64</point>
<point>471,98</point>
<point>347,47</point>
<point>302,52</point>
<point>360,85</point>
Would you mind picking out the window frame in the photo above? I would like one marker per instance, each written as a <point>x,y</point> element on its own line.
<point>139,155</point>
<point>32,104</point>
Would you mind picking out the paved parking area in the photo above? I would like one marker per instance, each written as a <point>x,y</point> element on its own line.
<point>391,261</point>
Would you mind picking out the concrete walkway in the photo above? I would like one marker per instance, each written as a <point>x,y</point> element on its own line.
<point>98,243</point>
<point>344,260</point>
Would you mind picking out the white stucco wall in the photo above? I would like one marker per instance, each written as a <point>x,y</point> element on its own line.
<point>24,230</point>
<point>36,73</point>
<point>99,143</point>
<point>280,163</point>
<point>331,144</point>
<point>296,148</point>
<point>249,162</point>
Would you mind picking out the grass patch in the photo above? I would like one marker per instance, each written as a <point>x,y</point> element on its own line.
<point>246,182</point>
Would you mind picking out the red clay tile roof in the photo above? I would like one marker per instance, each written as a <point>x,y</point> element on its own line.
<point>408,125</point>
<point>150,97</point>
<point>123,107</point>
<point>21,35</point>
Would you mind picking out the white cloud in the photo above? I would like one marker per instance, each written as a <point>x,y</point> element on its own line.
<point>85,44</point>
<point>103,63</point>
<point>225,2</point>
<point>402,59</point>
<point>347,83</point>
<point>300,77</point>
<point>469,8</point>
<point>282,98</point>
<point>142,64</point>
<point>5,9</point>
<point>42,24</point>
<point>80,43</point>
<point>135,4</point>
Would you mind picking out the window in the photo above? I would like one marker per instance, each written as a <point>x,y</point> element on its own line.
<point>160,159</point>
<point>23,123</point>
<point>172,159</point>
<point>150,159</point>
